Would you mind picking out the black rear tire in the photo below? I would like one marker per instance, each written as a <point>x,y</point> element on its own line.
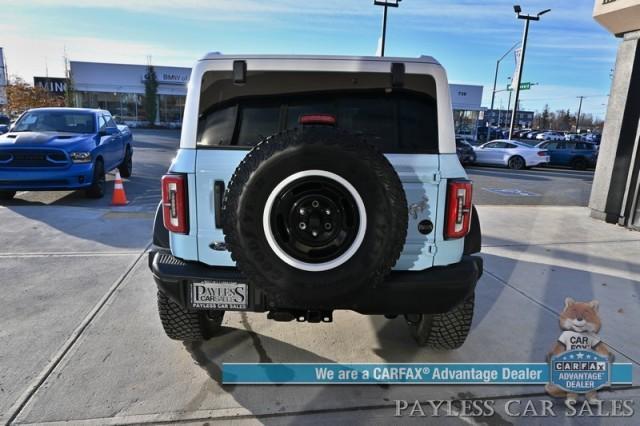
<point>7,195</point>
<point>443,331</point>
<point>99,181</point>
<point>187,326</point>
<point>126,168</point>
<point>517,163</point>
<point>579,164</point>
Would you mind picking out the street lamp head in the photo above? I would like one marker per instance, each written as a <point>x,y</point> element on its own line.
<point>543,12</point>
<point>517,9</point>
<point>389,3</point>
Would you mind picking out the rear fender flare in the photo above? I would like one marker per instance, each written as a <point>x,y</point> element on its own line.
<point>160,233</point>
<point>473,240</point>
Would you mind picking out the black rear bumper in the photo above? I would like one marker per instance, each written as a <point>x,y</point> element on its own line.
<point>435,290</point>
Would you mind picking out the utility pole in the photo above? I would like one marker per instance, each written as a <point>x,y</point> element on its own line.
<point>509,101</point>
<point>527,18</point>
<point>579,110</point>
<point>386,4</point>
<point>495,77</point>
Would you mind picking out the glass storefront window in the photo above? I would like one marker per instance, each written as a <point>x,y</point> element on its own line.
<point>465,122</point>
<point>171,108</point>
<point>129,107</point>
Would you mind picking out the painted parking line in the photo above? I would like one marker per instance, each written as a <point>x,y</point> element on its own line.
<point>69,254</point>
<point>512,192</point>
<point>40,378</point>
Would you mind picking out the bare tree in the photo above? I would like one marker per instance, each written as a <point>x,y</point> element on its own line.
<point>22,96</point>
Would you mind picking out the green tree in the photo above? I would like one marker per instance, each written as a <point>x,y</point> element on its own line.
<point>70,92</point>
<point>151,95</point>
<point>544,118</point>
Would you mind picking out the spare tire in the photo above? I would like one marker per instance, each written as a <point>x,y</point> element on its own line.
<point>312,215</point>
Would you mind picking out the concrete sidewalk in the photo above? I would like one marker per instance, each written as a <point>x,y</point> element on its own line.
<point>122,369</point>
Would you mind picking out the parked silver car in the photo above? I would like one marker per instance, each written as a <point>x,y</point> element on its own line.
<point>515,155</point>
<point>550,136</point>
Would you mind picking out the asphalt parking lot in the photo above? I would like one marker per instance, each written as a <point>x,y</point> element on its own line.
<point>538,186</point>
<point>81,342</point>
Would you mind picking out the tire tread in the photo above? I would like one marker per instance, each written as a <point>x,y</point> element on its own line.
<point>448,330</point>
<point>184,325</point>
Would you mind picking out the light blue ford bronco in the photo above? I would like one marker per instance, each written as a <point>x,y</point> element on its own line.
<point>307,184</point>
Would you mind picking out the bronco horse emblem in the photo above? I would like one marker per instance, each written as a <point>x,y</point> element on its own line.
<point>419,207</point>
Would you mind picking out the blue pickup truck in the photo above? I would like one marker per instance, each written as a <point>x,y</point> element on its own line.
<point>63,149</point>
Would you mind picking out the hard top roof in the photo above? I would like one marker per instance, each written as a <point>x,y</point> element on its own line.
<point>389,59</point>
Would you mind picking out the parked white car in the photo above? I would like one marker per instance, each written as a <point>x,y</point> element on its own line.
<point>515,155</point>
<point>550,136</point>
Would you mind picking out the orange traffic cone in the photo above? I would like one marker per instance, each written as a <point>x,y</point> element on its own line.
<point>119,197</point>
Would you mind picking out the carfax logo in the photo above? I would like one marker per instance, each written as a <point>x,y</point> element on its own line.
<point>579,371</point>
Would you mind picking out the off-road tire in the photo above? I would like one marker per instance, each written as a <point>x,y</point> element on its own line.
<point>323,148</point>
<point>126,167</point>
<point>187,326</point>
<point>7,195</point>
<point>98,182</point>
<point>517,163</point>
<point>444,331</point>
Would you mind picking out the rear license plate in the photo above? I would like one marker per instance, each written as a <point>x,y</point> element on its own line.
<point>219,295</point>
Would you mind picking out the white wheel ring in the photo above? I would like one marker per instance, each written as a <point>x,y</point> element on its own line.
<point>305,266</point>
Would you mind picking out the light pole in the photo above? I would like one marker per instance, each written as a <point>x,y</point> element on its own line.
<point>495,77</point>
<point>579,110</point>
<point>510,92</point>
<point>527,18</point>
<point>386,4</point>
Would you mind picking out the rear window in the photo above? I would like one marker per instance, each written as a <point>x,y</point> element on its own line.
<point>397,121</point>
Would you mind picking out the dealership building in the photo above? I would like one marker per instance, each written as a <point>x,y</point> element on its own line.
<point>119,88</point>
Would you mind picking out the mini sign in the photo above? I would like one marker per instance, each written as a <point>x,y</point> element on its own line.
<point>54,85</point>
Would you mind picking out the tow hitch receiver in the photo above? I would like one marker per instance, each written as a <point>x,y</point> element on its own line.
<point>301,316</point>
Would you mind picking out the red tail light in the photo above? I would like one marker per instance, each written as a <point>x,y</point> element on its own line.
<point>174,203</point>
<point>543,153</point>
<point>318,119</point>
<point>458,215</point>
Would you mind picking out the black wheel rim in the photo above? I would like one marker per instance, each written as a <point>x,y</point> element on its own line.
<point>314,219</point>
<point>516,163</point>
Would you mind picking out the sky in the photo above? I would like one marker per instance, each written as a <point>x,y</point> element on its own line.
<point>568,53</point>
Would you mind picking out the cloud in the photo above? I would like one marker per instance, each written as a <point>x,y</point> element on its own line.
<point>46,54</point>
<point>241,9</point>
